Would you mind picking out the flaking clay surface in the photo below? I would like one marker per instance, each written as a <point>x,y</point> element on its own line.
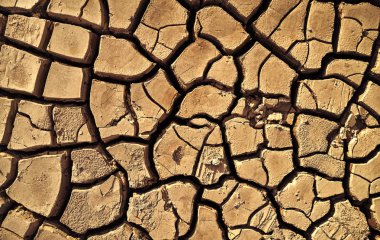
<point>189,119</point>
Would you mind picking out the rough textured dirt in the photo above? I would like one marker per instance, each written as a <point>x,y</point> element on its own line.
<point>189,119</point>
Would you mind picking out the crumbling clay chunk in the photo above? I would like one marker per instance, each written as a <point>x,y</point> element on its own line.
<point>71,125</point>
<point>348,219</point>
<point>364,143</point>
<point>325,164</point>
<point>49,231</point>
<point>165,212</point>
<point>90,208</point>
<point>133,158</point>
<point>212,164</point>
<point>266,220</point>
<point>312,133</point>
<point>38,114</point>
<point>89,165</point>
<point>27,30</point>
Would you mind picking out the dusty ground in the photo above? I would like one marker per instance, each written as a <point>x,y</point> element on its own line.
<point>189,119</point>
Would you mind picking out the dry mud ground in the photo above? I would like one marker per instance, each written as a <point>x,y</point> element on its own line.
<point>189,119</point>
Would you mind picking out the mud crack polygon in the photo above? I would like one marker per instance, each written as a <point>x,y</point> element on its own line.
<point>189,119</point>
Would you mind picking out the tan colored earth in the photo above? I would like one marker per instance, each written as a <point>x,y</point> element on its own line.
<point>189,119</point>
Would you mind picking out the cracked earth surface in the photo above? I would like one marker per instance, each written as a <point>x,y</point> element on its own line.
<point>189,119</point>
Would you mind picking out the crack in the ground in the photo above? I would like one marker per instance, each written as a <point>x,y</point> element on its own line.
<point>176,105</point>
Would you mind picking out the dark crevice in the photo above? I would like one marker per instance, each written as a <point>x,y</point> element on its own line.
<point>172,118</point>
